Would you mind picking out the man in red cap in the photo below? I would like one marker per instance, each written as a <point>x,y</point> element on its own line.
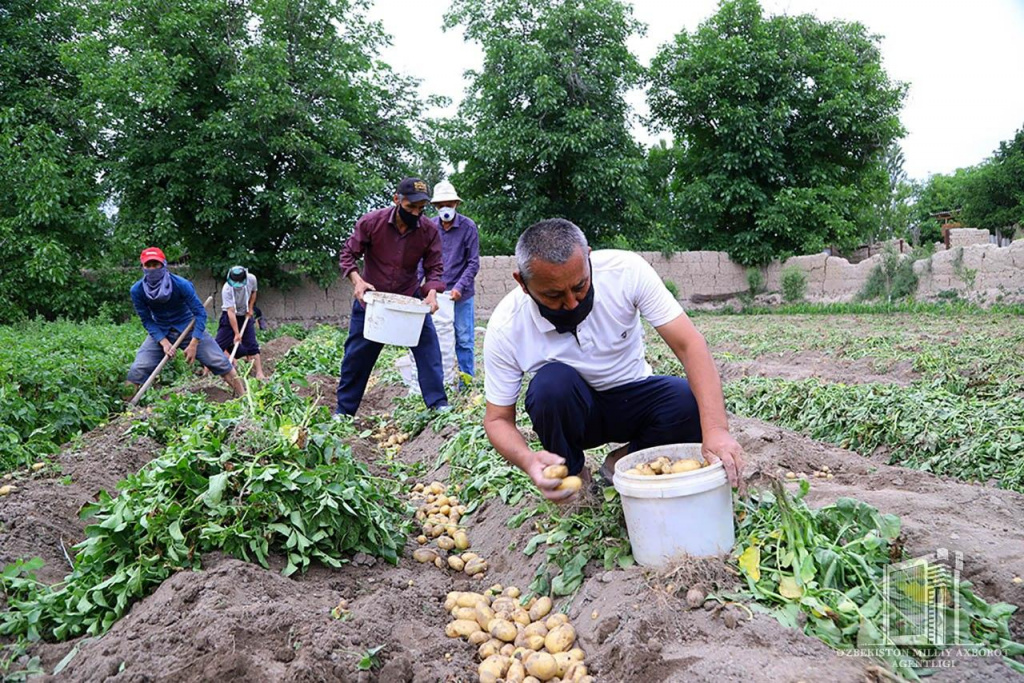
<point>392,241</point>
<point>166,304</point>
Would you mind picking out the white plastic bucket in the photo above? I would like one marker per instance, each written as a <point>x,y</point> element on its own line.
<point>669,516</point>
<point>393,318</point>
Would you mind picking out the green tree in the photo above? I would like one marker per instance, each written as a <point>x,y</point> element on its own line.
<point>892,209</point>
<point>245,130</point>
<point>782,123</point>
<point>995,191</point>
<point>937,194</point>
<point>51,225</point>
<point>546,123</point>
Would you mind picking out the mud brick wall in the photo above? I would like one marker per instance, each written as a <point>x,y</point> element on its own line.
<point>966,237</point>
<point>701,276</point>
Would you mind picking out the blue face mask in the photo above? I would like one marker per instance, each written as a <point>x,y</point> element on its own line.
<point>156,284</point>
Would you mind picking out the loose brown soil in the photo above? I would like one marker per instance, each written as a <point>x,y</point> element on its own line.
<point>808,364</point>
<point>235,621</point>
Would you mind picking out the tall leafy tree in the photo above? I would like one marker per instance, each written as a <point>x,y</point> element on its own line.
<point>545,123</point>
<point>782,123</point>
<point>940,193</point>
<point>893,206</point>
<point>995,192</point>
<point>50,222</point>
<point>245,130</point>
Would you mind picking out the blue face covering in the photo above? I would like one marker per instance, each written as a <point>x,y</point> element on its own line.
<point>156,284</point>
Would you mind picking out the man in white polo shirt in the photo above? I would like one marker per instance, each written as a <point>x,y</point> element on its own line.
<point>574,322</point>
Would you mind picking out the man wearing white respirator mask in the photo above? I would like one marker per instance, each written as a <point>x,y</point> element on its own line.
<point>460,251</point>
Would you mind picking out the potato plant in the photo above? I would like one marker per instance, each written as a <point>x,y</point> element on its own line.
<point>265,475</point>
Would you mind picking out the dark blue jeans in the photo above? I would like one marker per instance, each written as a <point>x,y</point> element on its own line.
<point>361,355</point>
<point>569,415</point>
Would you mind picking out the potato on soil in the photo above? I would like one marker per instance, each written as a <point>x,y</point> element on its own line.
<point>469,599</point>
<point>492,668</point>
<point>540,609</point>
<point>479,638</point>
<point>516,672</point>
<point>542,666</point>
<point>476,566</point>
<point>556,619</point>
<point>489,648</point>
<point>461,540</point>
<point>424,555</point>
<point>455,562</point>
<point>560,639</point>
<point>461,627</point>
<point>445,543</point>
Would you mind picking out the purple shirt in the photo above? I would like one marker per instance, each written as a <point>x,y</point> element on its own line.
<point>460,251</point>
<point>389,257</point>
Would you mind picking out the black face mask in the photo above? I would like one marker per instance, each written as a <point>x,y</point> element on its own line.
<point>567,321</point>
<point>409,218</point>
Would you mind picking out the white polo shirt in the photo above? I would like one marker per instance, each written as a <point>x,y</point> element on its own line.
<point>610,349</point>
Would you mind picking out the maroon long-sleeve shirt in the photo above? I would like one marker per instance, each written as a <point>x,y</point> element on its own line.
<point>390,258</point>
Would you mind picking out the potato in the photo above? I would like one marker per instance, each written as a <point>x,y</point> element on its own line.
<point>687,465</point>
<point>422,540</point>
<point>464,613</point>
<point>489,648</point>
<point>570,484</point>
<point>434,532</point>
<point>542,666</point>
<point>575,671</point>
<point>469,599</point>
<point>507,649</point>
<point>537,628</point>
<point>563,661</point>
<point>461,627</point>
<point>560,639</point>
<point>533,642</point>
<point>478,638</point>
<point>521,616</point>
<point>445,543</point>
<point>451,601</point>
<point>540,609</point>
<point>555,620</point>
<point>577,654</point>
<point>657,466</point>
<point>491,669</point>
<point>461,540</point>
<point>504,631</point>
<point>511,592</point>
<point>483,615</point>
<point>555,472</point>
<point>504,604</point>
<point>476,566</point>
<point>466,557</point>
<point>455,562</point>
<point>417,488</point>
<point>440,563</point>
<point>424,554</point>
<point>36,466</point>
<point>531,679</point>
<point>445,509</point>
<point>7,489</point>
<point>516,672</point>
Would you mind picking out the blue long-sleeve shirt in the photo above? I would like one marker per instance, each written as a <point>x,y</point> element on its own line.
<point>177,312</point>
<point>460,253</point>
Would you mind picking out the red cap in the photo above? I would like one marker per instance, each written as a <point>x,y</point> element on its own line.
<point>153,254</point>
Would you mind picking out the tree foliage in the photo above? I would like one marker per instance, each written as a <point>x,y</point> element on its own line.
<point>244,130</point>
<point>50,222</point>
<point>544,128</point>
<point>994,196</point>
<point>782,123</point>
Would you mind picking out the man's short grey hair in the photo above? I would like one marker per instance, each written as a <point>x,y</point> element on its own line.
<point>553,240</point>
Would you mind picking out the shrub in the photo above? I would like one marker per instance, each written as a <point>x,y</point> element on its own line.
<point>672,288</point>
<point>794,284</point>
<point>893,278</point>
<point>755,281</point>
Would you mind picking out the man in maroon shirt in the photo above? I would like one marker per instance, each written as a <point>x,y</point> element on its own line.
<point>392,241</point>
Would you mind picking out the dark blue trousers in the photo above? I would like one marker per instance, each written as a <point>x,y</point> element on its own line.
<point>361,355</point>
<point>569,415</point>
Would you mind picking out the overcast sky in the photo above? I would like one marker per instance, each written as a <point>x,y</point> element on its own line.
<point>964,62</point>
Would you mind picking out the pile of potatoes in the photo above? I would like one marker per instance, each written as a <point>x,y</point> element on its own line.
<point>384,439</point>
<point>665,465</point>
<point>517,643</point>
<point>439,515</point>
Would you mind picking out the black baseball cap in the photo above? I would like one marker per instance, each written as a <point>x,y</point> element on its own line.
<point>414,189</point>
